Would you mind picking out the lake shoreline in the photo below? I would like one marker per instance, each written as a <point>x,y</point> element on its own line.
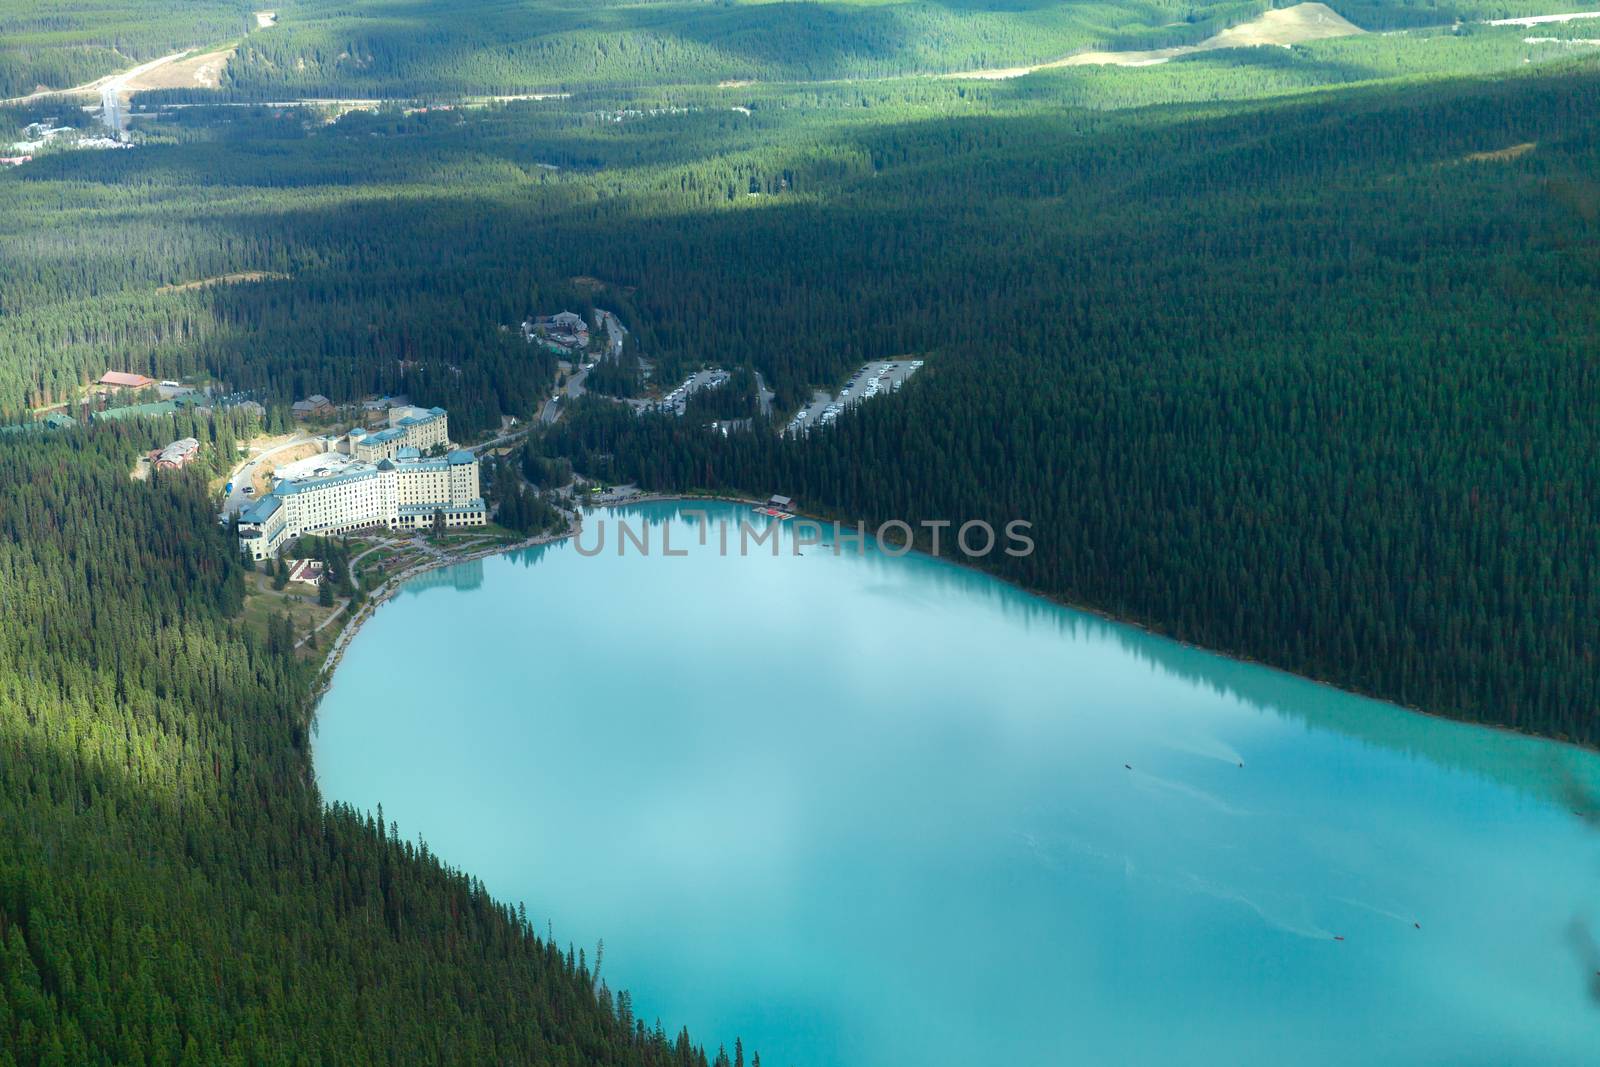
<point>954,746</point>
<point>391,585</point>
<point>1146,629</point>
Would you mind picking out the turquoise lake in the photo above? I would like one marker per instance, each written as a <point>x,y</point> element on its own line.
<point>869,810</point>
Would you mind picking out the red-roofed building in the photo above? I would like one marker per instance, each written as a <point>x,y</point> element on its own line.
<point>123,380</point>
<point>309,571</point>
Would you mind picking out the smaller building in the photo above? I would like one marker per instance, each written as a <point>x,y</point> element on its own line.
<point>308,571</point>
<point>314,406</point>
<point>173,390</point>
<point>177,455</point>
<point>562,332</point>
<point>780,503</point>
<point>117,379</point>
<point>380,404</point>
<point>136,411</point>
<point>60,420</point>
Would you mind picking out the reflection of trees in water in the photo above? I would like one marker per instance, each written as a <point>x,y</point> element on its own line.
<point>1549,771</point>
<point>1584,799</point>
<point>1535,766</point>
<point>464,577</point>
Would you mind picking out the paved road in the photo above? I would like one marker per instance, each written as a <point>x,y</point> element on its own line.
<point>111,109</point>
<point>764,395</point>
<point>573,389</point>
<point>615,332</point>
<point>496,442</point>
<point>99,85</point>
<point>242,474</point>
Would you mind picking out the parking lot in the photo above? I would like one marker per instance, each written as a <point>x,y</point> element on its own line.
<point>871,380</point>
<point>673,402</point>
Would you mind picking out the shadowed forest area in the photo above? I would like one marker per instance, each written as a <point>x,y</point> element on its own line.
<point>1293,353</point>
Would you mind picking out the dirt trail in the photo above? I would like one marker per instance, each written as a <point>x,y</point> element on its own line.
<point>100,86</point>
<point>1543,20</point>
<point>1502,155</point>
<point>1282,27</point>
<point>180,70</point>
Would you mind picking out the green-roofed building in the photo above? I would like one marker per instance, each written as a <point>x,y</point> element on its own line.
<point>138,411</point>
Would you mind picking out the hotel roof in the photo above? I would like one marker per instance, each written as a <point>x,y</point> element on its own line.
<point>417,420</point>
<point>261,510</point>
<point>137,411</point>
<point>430,463</point>
<point>125,379</point>
<point>353,472</point>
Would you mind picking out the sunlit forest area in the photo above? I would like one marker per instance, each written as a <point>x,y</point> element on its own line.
<point>1292,353</point>
<point>337,48</point>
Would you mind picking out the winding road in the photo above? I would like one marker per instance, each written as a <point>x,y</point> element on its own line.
<point>241,474</point>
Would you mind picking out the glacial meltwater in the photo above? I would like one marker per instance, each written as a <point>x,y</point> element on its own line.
<point>878,811</point>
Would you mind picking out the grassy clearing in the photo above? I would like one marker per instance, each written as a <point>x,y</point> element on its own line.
<point>1502,155</point>
<point>235,278</point>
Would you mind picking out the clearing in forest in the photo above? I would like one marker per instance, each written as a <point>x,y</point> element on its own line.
<point>1282,27</point>
<point>1502,155</point>
<point>226,279</point>
<point>201,70</point>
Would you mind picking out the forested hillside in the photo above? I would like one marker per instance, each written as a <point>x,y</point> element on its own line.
<point>172,890</point>
<point>1305,378</point>
<point>59,43</point>
<point>1293,353</point>
<point>510,46</point>
<point>434,48</point>
<point>1313,386</point>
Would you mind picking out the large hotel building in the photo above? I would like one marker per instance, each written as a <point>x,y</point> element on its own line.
<point>399,490</point>
<point>419,428</point>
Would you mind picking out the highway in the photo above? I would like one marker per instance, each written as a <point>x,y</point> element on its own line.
<point>113,112</point>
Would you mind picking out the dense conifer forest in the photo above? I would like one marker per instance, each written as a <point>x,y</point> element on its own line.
<point>337,48</point>
<point>1309,385</point>
<point>172,889</point>
<point>1291,353</point>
